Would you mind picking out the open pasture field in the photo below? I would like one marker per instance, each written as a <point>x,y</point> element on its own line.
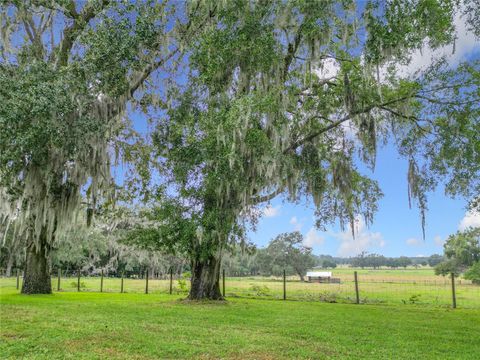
<point>86,325</point>
<point>383,286</point>
<point>409,273</point>
<point>399,286</point>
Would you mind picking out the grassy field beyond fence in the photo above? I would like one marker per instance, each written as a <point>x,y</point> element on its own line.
<point>405,286</point>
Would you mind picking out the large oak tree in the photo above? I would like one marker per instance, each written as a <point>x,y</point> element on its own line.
<point>285,98</point>
<point>68,71</point>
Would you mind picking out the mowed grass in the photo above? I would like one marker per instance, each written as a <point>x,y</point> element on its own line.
<point>87,325</point>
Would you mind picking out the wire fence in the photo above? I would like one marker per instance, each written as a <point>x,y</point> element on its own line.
<point>349,287</point>
<point>360,288</point>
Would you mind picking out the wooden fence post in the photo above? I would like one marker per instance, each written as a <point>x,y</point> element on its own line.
<point>171,280</point>
<point>78,280</point>
<point>284,285</point>
<point>18,279</point>
<point>357,295</point>
<point>101,282</point>
<point>146,282</point>
<point>121,284</point>
<point>223,283</point>
<point>58,281</point>
<point>454,297</point>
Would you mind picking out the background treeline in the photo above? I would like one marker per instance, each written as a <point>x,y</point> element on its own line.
<point>260,263</point>
<point>93,249</point>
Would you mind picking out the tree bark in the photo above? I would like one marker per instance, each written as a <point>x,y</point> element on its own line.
<point>36,279</point>
<point>205,282</point>
<point>8,270</point>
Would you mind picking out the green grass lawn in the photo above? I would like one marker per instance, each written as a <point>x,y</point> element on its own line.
<point>86,325</point>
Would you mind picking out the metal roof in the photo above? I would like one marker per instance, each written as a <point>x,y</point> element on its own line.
<point>319,273</point>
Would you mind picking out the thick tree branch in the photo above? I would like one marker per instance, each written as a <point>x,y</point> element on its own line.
<point>80,21</point>
<point>67,10</point>
<point>147,71</point>
<point>446,102</point>
<point>292,49</point>
<point>260,199</point>
<point>150,68</point>
<point>337,123</point>
<point>408,117</point>
<point>33,33</point>
<point>140,77</point>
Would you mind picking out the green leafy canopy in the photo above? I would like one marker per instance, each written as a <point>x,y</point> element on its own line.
<point>259,118</point>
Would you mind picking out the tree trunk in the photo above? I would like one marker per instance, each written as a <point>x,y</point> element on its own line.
<point>8,270</point>
<point>36,279</point>
<point>205,283</point>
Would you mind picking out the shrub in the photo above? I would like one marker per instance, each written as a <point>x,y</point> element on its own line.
<point>182,284</point>
<point>73,284</point>
<point>260,290</point>
<point>328,297</point>
<point>473,273</point>
<point>449,266</point>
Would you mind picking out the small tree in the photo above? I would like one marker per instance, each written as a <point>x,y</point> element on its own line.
<point>287,250</point>
<point>462,250</point>
<point>464,246</point>
<point>447,267</point>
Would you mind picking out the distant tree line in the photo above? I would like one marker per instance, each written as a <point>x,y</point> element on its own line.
<point>287,252</point>
<point>366,260</point>
<point>92,250</point>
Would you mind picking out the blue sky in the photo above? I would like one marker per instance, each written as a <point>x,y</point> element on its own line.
<point>396,229</point>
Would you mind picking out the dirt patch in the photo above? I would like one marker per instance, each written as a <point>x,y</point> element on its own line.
<point>203,302</point>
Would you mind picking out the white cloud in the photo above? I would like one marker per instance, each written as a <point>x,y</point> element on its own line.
<point>296,224</point>
<point>412,242</point>
<point>465,44</point>
<point>438,241</point>
<point>364,240</point>
<point>313,238</point>
<point>270,211</point>
<point>471,219</point>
